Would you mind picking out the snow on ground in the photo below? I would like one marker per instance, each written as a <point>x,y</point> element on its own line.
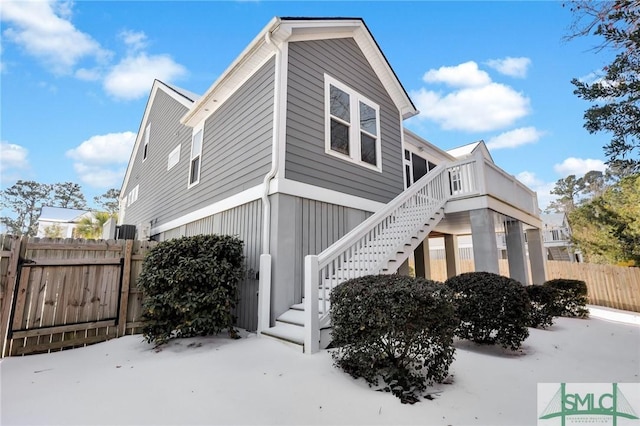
<point>261,381</point>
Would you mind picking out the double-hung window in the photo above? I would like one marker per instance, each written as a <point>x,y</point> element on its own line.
<point>196,157</point>
<point>352,125</point>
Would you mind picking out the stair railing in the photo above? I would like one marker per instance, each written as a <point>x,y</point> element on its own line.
<point>369,246</point>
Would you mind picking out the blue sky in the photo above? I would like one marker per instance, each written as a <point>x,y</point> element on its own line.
<point>75,77</point>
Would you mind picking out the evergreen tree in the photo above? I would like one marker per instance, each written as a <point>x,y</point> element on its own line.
<point>25,199</point>
<point>615,96</point>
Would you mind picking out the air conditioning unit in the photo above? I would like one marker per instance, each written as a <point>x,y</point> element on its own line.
<point>126,232</point>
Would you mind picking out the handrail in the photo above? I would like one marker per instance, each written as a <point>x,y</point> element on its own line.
<point>370,245</point>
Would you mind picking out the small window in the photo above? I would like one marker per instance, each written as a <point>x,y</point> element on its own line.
<point>133,196</point>
<point>174,158</point>
<point>196,154</point>
<point>352,126</point>
<point>145,150</point>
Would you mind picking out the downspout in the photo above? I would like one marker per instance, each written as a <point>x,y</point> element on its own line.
<point>264,290</point>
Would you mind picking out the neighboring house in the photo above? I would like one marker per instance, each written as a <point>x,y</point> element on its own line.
<point>557,238</point>
<point>299,149</point>
<point>58,222</point>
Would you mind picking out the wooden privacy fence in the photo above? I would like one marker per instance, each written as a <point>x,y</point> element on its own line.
<point>58,294</point>
<point>612,286</point>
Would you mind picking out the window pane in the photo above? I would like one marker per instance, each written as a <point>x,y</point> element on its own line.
<point>339,104</point>
<point>339,137</point>
<point>195,169</point>
<point>368,149</point>
<point>368,119</point>
<point>197,144</point>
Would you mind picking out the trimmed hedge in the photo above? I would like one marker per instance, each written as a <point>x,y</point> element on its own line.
<point>395,328</point>
<point>190,287</point>
<point>572,297</point>
<point>544,305</point>
<point>492,309</point>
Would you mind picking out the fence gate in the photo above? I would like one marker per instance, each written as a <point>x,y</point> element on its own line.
<point>66,293</point>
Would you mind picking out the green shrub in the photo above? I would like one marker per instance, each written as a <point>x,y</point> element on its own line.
<point>395,328</point>
<point>492,309</point>
<point>572,297</point>
<point>190,287</point>
<point>544,305</point>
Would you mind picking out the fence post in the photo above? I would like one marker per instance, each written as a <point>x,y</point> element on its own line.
<point>312,319</point>
<point>9,295</point>
<point>124,288</point>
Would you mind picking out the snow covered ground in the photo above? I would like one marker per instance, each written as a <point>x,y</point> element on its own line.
<point>260,381</point>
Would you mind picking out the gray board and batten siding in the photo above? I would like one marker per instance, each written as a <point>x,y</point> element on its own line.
<point>244,222</point>
<point>236,153</point>
<point>306,160</point>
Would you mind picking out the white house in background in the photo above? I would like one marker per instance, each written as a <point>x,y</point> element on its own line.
<point>59,221</point>
<point>299,149</point>
<point>557,238</point>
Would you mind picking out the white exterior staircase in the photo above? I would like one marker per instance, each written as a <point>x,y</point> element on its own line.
<point>379,245</point>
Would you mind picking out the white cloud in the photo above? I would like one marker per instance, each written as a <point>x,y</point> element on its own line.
<point>474,109</point>
<point>100,177</point>
<point>579,166</point>
<point>100,160</point>
<point>513,67</point>
<point>132,77</point>
<point>42,29</point>
<point>85,74</point>
<point>13,160</point>
<point>474,104</point>
<point>135,40</point>
<point>463,75</point>
<point>542,189</point>
<point>515,138</point>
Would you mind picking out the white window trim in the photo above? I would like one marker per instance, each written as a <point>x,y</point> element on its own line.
<point>145,147</point>
<point>354,127</point>
<point>196,130</point>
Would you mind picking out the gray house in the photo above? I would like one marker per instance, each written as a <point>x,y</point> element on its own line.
<point>299,149</point>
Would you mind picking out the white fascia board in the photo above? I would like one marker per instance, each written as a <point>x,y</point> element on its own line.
<point>239,71</point>
<point>312,192</point>
<point>418,142</point>
<point>384,72</point>
<point>239,199</point>
<point>489,202</point>
<point>305,30</point>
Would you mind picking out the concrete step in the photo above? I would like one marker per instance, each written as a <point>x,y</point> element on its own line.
<point>288,333</point>
<point>292,316</point>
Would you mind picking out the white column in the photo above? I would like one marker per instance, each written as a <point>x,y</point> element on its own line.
<point>516,252</point>
<point>422,259</point>
<point>452,255</point>
<point>537,256</point>
<point>483,235</point>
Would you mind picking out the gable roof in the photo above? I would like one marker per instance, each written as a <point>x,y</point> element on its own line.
<point>467,150</point>
<point>182,96</point>
<point>554,219</point>
<point>280,30</point>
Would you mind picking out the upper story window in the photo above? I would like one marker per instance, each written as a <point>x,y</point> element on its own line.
<point>196,157</point>
<point>352,125</point>
<point>145,149</point>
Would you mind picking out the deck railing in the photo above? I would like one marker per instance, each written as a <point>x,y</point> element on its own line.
<point>368,247</point>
